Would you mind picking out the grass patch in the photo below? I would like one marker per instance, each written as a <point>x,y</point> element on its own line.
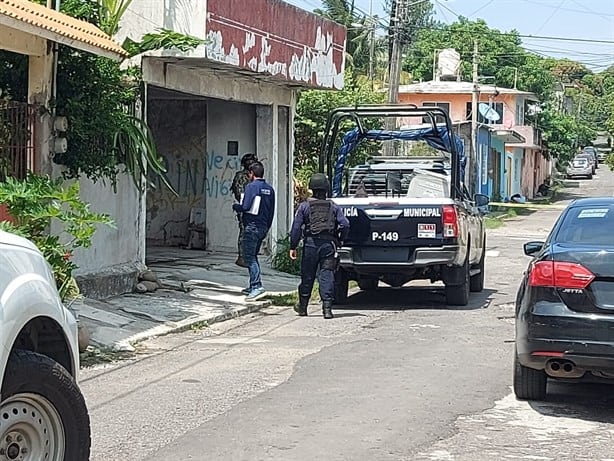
<point>291,299</point>
<point>493,222</point>
<point>97,356</point>
<point>198,326</point>
<point>288,299</point>
<point>497,218</point>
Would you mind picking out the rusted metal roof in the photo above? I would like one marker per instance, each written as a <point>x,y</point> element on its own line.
<point>39,20</point>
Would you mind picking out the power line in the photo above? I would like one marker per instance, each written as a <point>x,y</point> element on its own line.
<point>481,8</point>
<point>572,10</point>
<point>550,17</point>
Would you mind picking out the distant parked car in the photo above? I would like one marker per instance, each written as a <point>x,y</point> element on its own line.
<point>592,153</point>
<point>564,306</point>
<point>580,166</point>
<point>601,156</point>
<point>43,413</point>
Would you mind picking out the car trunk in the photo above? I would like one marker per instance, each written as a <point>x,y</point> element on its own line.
<point>598,294</point>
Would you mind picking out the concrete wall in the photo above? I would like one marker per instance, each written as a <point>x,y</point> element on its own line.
<point>227,121</point>
<point>265,37</point>
<point>117,255</point>
<point>186,17</point>
<point>179,127</point>
<point>201,81</point>
<point>458,104</point>
<point>535,169</point>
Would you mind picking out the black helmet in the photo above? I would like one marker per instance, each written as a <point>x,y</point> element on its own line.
<point>248,159</point>
<point>318,181</point>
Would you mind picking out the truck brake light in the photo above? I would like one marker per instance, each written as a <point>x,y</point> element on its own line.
<point>450,222</point>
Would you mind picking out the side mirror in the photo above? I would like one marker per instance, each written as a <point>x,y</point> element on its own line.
<point>481,200</point>
<point>532,248</point>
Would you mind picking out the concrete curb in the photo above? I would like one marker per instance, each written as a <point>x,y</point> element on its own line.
<point>167,328</point>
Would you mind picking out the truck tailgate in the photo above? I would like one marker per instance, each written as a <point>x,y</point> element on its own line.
<point>390,223</point>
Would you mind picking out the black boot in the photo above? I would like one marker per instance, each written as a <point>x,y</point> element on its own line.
<point>327,310</point>
<point>301,307</point>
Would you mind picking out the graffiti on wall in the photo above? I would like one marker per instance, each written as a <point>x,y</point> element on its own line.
<point>281,40</point>
<point>195,179</point>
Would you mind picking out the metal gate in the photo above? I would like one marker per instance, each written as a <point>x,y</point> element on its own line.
<point>17,123</point>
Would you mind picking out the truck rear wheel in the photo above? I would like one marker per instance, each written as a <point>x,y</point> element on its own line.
<point>476,283</point>
<point>458,295</point>
<point>368,284</point>
<point>342,286</point>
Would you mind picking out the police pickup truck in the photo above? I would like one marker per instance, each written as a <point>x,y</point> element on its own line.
<point>410,217</point>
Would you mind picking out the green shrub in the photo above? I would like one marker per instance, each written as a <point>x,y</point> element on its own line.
<point>37,202</point>
<point>281,259</point>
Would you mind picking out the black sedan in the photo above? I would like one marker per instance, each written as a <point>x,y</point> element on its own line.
<point>565,303</point>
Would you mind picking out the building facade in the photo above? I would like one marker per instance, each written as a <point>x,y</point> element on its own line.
<point>508,160</point>
<point>236,93</point>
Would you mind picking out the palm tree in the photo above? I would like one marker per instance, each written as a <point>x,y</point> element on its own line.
<point>359,30</point>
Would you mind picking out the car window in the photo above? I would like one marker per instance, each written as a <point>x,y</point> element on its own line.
<point>588,225</point>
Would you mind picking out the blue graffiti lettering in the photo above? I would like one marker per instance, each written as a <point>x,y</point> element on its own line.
<point>210,176</point>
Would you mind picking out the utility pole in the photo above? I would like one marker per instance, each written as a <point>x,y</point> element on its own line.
<point>473,158</point>
<point>397,48</point>
<point>371,43</point>
<point>398,21</point>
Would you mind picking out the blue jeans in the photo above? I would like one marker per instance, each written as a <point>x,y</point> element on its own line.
<point>252,241</point>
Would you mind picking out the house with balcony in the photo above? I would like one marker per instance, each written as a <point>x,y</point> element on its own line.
<point>508,159</point>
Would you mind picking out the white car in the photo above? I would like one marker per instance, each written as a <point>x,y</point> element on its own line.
<point>43,415</point>
<point>580,166</point>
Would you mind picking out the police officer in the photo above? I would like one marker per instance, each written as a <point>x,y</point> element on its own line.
<point>322,225</point>
<point>239,182</point>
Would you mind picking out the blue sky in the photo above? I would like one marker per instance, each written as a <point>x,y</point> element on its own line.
<point>573,19</point>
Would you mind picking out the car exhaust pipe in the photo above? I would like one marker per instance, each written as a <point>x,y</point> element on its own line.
<point>563,369</point>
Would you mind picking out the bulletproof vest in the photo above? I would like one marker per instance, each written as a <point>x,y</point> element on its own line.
<point>322,221</point>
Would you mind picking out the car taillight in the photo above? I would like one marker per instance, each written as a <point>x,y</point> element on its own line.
<point>558,274</point>
<point>450,222</point>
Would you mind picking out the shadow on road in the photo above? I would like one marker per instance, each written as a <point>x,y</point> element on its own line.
<point>585,401</point>
<point>412,297</point>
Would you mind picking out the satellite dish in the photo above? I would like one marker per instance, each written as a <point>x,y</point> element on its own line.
<point>488,112</point>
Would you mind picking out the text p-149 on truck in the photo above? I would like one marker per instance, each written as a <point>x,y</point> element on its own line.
<point>411,216</point>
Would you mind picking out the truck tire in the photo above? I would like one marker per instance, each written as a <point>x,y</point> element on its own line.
<point>529,384</point>
<point>342,286</point>
<point>368,284</point>
<point>43,411</point>
<point>476,283</point>
<point>458,295</point>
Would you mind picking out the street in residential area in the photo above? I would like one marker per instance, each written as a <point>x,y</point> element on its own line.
<point>396,375</point>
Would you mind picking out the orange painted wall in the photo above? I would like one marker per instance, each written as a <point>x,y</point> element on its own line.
<point>458,104</point>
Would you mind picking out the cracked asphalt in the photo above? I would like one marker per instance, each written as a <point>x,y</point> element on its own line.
<point>396,375</point>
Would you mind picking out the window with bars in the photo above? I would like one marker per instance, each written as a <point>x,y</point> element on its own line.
<point>442,105</point>
<point>17,122</point>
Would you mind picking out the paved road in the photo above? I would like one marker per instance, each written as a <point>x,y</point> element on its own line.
<point>396,376</point>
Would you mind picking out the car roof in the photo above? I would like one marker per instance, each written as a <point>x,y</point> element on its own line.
<point>592,201</point>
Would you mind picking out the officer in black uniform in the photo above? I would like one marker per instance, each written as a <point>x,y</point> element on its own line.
<point>322,226</point>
